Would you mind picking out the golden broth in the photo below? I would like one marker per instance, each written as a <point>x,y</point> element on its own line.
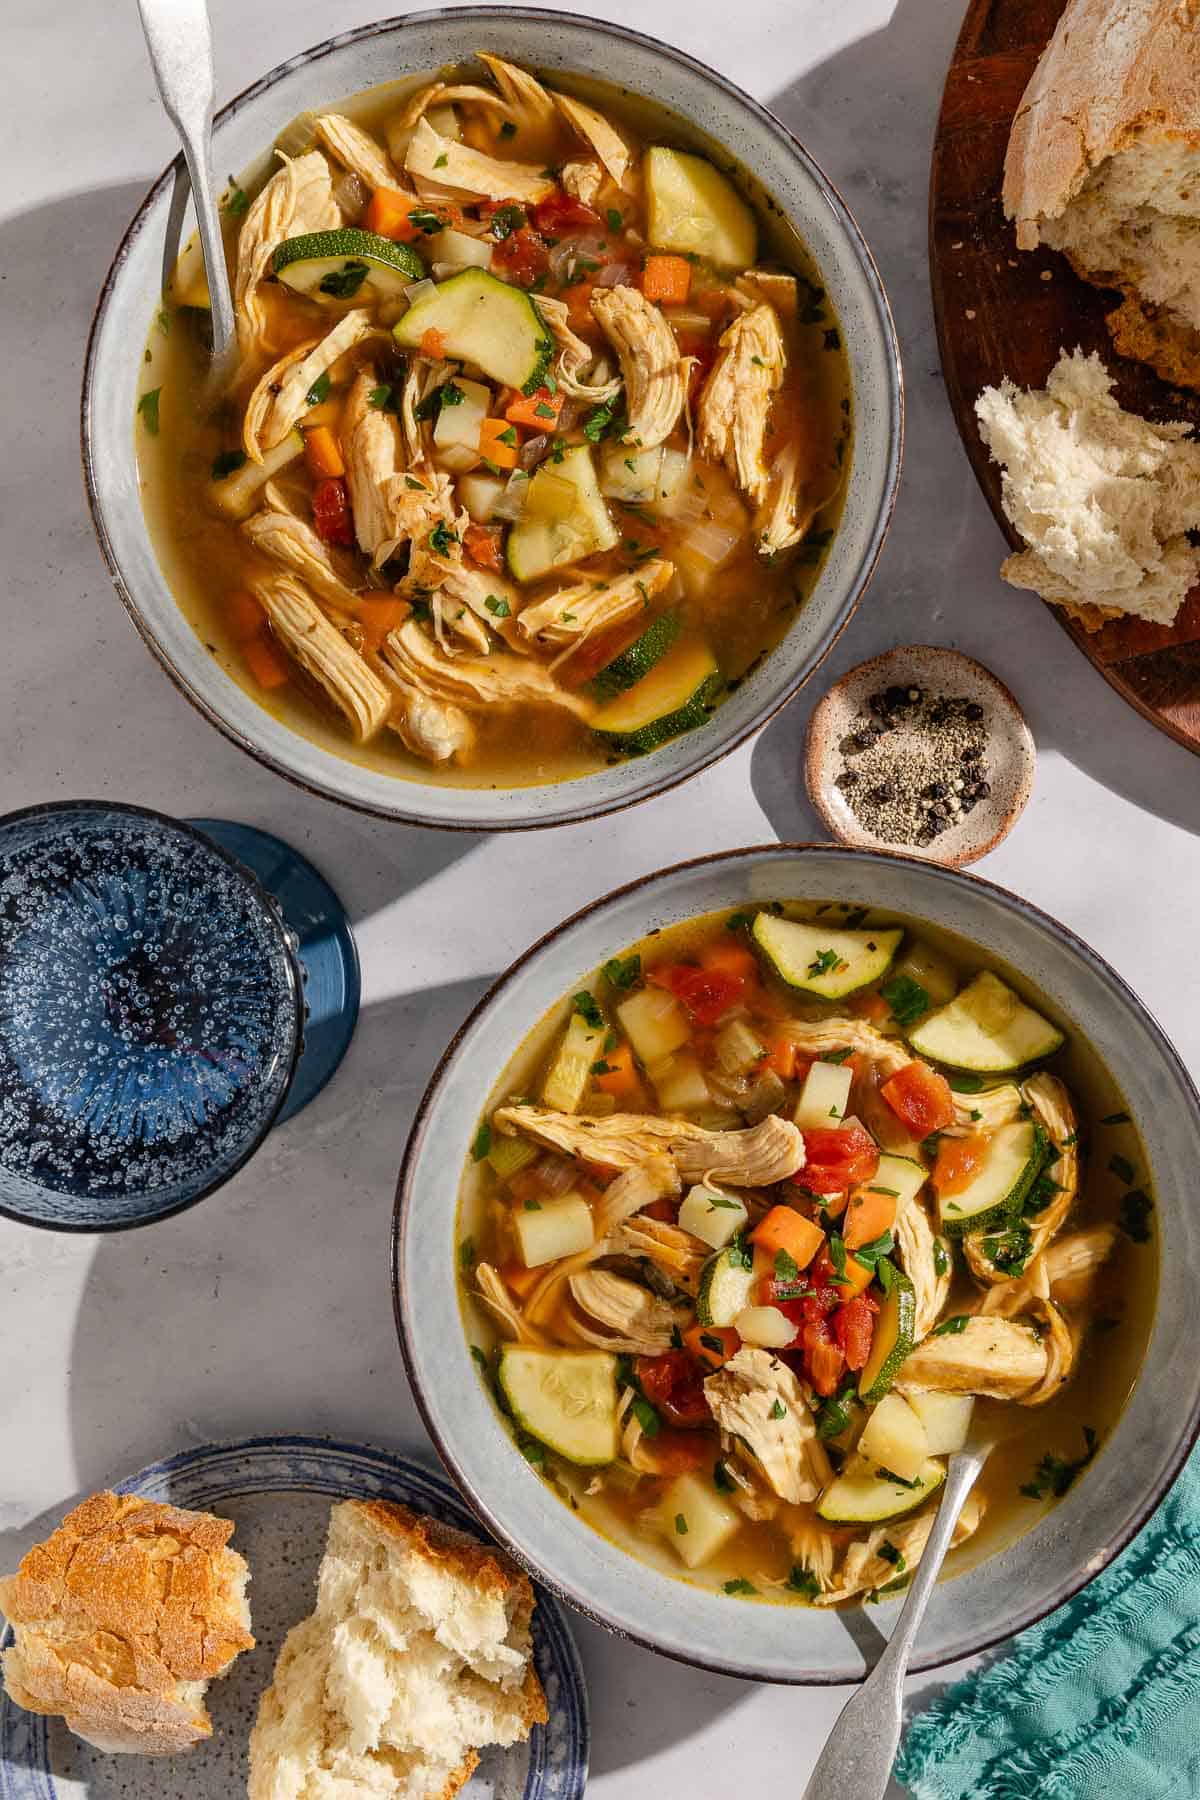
<point>1119,1311</point>
<point>742,610</point>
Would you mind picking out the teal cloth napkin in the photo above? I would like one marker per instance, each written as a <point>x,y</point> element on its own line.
<point>1101,1701</point>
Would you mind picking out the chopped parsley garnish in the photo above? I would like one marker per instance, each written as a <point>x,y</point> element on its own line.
<point>600,1068</point>
<point>835,1056</point>
<point>505,220</point>
<point>481,1143</point>
<point>950,1327</point>
<point>439,162</point>
<point>1117,1118</point>
<point>508,129</point>
<point>452,394</point>
<point>721,1202</point>
<point>965,1084</point>
<point>833,1414</point>
<point>533,1206</point>
<point>837,1256</point>
<point>855,915</point>
<point>929,1145</point>
<point>236,200</point>
<point>1009,1250</point>
<point>1054,1475</point>
<point>587,1006</point>
<point>907,999</point>
<point>382,398</point>
<point>148,408</point>
<point>1134,1217</point>
<point>441,538</point>
<point>823,962</point>
<point>786,1267</point>
<point>623,971</point>
<point>426,220</point>
<point>803,1582</point>
<point>615,221</point>
<point>599,422</point>
<point>531,1450</point>
<point>466,1254</point>
<point>722,1480</point>
<point>890,1554</point>
<point>1122,1168</point>
<point>778,1411</point>
<point>739,921</point>
<point>320,389</point>
<point>646,1415</point>
<point>345,282</point>
<point>410,481</point>
<point>739,1586</point>
<point>542,411</point>
<point>738,1253</point>
<point>499,609</point>
<point>873,1253</point>
<point>890,1475</point>
<point>681,1524</point>
<point>227,462</point>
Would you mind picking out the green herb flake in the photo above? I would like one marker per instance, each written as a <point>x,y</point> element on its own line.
<point>441,538</point>
<point>739,921</point>
<point>878,1248</point>
<point>646,1415</point>
<point>823,962</point>
<point>951,1327</point>
<point>382,398</point>
<point>587,1006</point>
<point>481,1143</point>
<point>836,1056</point>
<point>466,1254</point>
<point>739,1586</point>
<point>837,1256</point>
<point>738,1253</point>
<point>1134,1216</point>
<point>600,1068</point>
<point>941,1262</point>
<point>1054,1475</point>
<point>623,971</point>
<point>410,481</point>
<point>966,1084</point>
<point>227,463</point>
<point>1122,1168</point>
<point>319,390</point>
<point>786,1267</point>
<point>531,1450</point>
<point>891,1554</point>
<point>345,282</point>
<point>598,422</point>
<point>236,200</point>
<point>803,1582</point>
<point>439,162</point>
<point>1117,1118</point>
<point>148,408</point>
<point>615,221</point>
<point>778,1411</point>
<point>722,1480</point>
<point>907,999</point>
<point>499,609</point>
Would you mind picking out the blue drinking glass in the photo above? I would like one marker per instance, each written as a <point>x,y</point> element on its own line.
<point>152,1013</point>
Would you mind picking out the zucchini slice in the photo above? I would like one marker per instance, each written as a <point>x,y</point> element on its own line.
<point>485,322</point>
<point>1015,1155</point>
<point>986,1029</point>
<point>567,1399</point>
<point>863,1495</point>
<point>677,695</point>
<point>725,1287</point>
<point>638,658</point>
<point>338,263</point>
<point>895,1335</point>
<point>563,518</point>
<point>819,960</point>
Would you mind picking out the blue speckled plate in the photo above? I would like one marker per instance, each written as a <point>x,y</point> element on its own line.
<point>279,1490</point>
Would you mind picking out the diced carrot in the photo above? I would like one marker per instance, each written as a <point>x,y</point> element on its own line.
<point>521,1280</point>
<point>539,410</point>
<point>957,1161</point>
<point>244,616</point>
<point>378,614</point>
<point>920,1098</point>
<point>834,1205</point>
<point>433,344</point>
<point>712,1345</point>
<point>781,1056</point>
<point>620,1076</point>
<point>869,1214</point>
<point>483,548</point>
<point>825,1364</point>
<point>579,304</point>
<point>499,443</point>
<point>731,957</point>
<point>667,279</point>
<point>387,216</point>
<point>857,1278</point>
<point>322,452</point>
<point>267,664</point>
<point>785,1229</point>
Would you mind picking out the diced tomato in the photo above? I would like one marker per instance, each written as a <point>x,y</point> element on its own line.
<point>957,1161</point>
<point>665,1211</point>
<point>920,1098</point>
<point>677,1452</point>
<point>579,306</point>
<point>731,957</point>
<point>675,1386</point>
<point>853,1326</point>
<point>837,1158</point>
<point>700,347</point>
<point>707,993</point>
<point>560,213</point>
<point>521,257</point>
<point>332,518</point>
<point>713,301</point>
<point>483,548</point>
<point>521,1280</point>
<point>824,1359</point>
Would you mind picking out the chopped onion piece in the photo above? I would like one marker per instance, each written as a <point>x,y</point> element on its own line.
<point>615,275</point>
<point>420,290</point>
<point>533,450</point>
<point>511,501</point>
<point>710,543</point>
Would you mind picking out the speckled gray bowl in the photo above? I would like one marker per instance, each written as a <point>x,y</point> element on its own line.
<point>981,1607</point>
<point>549,41</point>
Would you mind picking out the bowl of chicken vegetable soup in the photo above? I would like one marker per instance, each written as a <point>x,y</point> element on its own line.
<point>563,433</point>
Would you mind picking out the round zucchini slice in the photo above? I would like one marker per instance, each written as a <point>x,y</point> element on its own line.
<point>895,1335</point>
<point>864,1495</point>
<point>725,1287</point>
<point>339,263</point>
<point>677,695</point>
<point>819,960</point>
<point>625,670</point>
<point>483,321</point>
<point>1014,1159</point>
<point>567,1399</point>
<point>986,1029</point>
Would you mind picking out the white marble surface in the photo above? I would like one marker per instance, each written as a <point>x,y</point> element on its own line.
<point>268,1308</point>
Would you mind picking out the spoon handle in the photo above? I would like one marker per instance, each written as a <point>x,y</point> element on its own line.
<point>179,38</point>
<point>860,1750</point>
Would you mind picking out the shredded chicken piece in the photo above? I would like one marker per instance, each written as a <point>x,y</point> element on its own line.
<point>574,613</point>
<point>573,355</point>
<point>472,681</point>
<point>530,106</point>
<point>781,522</point>
<point>990,1356</point>
<point>625,1195</point>
<point>1050,1104</point>
<point>1029,1294</point>
<point>917,1246</point>
<point>1073,1263</point>
<point>391,505</point>
<point>297,199</point>
<point>651,366</point>
<point>764,1153</point>
<point>770,287</point>
<point>735,402</point>
<point>440,93</point>
<point>678,1254</point>
<point>887,1055</point>
<point>435,730</point>
<point>501,1305</point>
<point>277,532</point>
<point>281,396</point>
<point>864,1570</point>
<point>321,650</point>
<point>463,594</point>
<point>603,137</point>
<point>813,1548</point>
<point>986,1112</point>
<point>583,180</point>
<point>358,151</point>
<point>456,168</point>
<point>756,1399</point>
<point>422,378</point>
<point>614,1313</point>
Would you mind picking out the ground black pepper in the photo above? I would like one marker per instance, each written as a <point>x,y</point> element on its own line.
<point>914,764</point>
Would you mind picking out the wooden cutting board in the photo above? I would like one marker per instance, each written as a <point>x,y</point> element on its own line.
<point>1001,311</point>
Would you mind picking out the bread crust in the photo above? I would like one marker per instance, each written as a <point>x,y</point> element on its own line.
<point>120,1617</point>
<point>1113,70</point>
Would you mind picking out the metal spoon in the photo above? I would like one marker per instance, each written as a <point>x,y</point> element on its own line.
<point>179,39</point>
<point>860,1750</point>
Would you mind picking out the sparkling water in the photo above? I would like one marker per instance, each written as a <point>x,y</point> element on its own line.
<point>149,1015</point>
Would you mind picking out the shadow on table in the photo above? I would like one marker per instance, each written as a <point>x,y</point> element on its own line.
<point>938,577</point>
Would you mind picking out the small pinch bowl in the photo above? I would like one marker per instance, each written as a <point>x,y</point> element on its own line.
<point>760,1641</point>
<point>553,42</point>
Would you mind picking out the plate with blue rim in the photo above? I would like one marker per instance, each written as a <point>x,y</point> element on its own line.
<point>278,1491</point>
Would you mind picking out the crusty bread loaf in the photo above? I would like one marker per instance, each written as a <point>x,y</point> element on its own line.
<point>1102,497</point>
<point>417,1655</point>
<point>1103,164</point>
<point>122,1618</point>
